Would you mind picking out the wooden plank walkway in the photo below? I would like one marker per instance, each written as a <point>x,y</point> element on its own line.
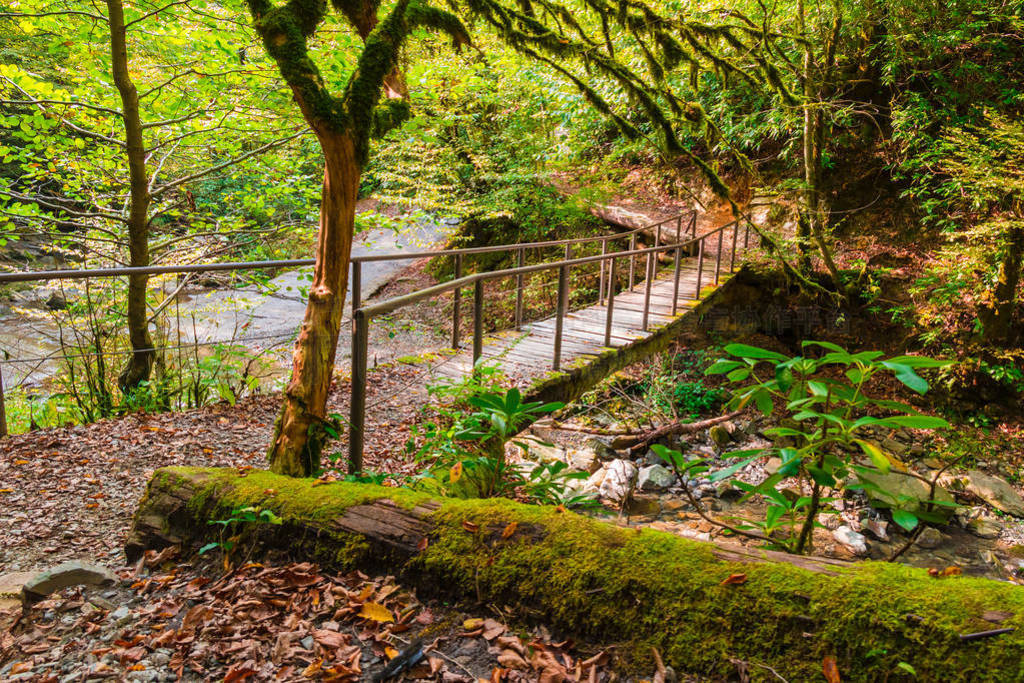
<point>528,354</point>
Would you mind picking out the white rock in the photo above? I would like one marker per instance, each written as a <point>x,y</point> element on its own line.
<point>654,478</point>
<point>593,484</point>
<point>583,460</point>
<point>620,477</point>
<point>68,574</point>
<point>851,539</point>
<point>878,528</point>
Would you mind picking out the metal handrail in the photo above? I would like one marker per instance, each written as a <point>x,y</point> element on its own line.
<point>84,273</point>
<point>363,315</point>
<point>519,245</point>
<point>390,305</point>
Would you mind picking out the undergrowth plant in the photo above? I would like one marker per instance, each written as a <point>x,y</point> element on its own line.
<point>823,437</point>
<point>231,529</point>
<point>468,457</point>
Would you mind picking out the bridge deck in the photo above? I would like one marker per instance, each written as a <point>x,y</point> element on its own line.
<point>527,354</point>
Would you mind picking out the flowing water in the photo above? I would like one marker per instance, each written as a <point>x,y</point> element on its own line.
<point>262,318</point>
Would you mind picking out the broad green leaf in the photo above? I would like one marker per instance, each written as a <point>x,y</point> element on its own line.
<point>744,351</point>
<point>722,366</point>
<point>915,422</point>
<point>719,475</point>
<point>907,520</point>
<point>919,362</point>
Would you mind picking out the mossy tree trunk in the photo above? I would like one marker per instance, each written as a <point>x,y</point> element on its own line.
<point>140,362</point>
<point>704,606</point>
<point>998,316</point>
<point>343,124</point>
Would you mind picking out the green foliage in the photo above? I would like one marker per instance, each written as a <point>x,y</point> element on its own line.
<point>241,519</point>
<point>467,457</point>
<point>827,413</point>
<point>694,398</point>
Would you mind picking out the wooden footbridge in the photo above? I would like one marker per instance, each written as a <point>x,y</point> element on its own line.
<point>640,291</point>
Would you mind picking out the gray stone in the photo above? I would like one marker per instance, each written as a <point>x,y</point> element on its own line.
<point>73,573</point>
<point>620,477</point>
<point>601,448</point>
<point>985,527</point>
<point>930,538</point>
<point>895,490</point>
<point>996,492</point>
<point>120,615</point>
<point>855,542</point>
<point>655,478</point>
<point>830,521</point>
<point>101,602</point>
<point>543,452</point>
<point>160,658</point>
<point>720,436</point>
<point>307,642</point>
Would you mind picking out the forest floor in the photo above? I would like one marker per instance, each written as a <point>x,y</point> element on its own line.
<point>69,494</point>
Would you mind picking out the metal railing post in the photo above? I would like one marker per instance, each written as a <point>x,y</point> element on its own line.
<point>718,256</point>
<point>520,260</point>
<point>357,397</point>
<point>600,286</point>
<point>478,320</point>
<point>746,235</point>
<point>657,237</point>
<point>3,409</point>
<point>632,259</point>
<point>357,285</point>
<point>675,277</point>
<point>457,304</point>
<point>735,235</point>
<point>700,266</point>
<point>647,288</point>
<point>563,296</point>
<point>611,304</point>
<point>679,228</point>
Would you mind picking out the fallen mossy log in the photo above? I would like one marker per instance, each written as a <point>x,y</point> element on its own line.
<point>703,606</point>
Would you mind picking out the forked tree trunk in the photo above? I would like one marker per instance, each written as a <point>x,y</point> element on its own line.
<point>140,363</point>
<point>298,433</point>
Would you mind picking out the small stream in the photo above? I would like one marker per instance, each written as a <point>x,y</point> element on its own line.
<point>264,318</point>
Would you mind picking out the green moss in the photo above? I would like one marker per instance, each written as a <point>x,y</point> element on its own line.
<point>647,588</point>
<point>286,496</point>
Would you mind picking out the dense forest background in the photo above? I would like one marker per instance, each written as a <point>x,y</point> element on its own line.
<point>887,135</point>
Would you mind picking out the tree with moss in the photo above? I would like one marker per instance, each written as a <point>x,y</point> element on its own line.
<point>600,47</point>
<point>985,171</point>
<point>344,121</point>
